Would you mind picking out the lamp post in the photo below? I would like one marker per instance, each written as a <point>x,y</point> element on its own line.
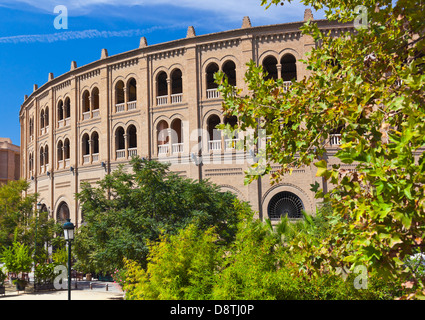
<point>68,230</point>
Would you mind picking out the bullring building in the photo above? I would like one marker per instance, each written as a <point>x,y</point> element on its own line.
<point>160,102</point>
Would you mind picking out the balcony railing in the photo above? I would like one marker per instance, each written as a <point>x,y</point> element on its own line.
<point>67,122</point>
<point>177,147</point>
<point>120,107</point>
<point>60,164</point>
<point>230,144</point>
<point>86,115</point>
<point>214,145</point>
<point>95,113</point>
<point>287,85</point>
<point>95,157</point>
<point>176,98</point>
<point>61,123</point>
<point>67,163</point>
<point>161,100</point>
<point>120,154</point>
<point>132,105</point>
<point>335,140</point>
<point>163,149</point>
<point>213,94</point>
<point>132,152</point>
<point>86,158</point>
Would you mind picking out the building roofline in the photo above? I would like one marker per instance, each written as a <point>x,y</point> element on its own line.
<point>194,40</point>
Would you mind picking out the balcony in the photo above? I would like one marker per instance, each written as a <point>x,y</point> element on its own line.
<point>86,115</point>
<point>86,159</point>
<point>230,144</point>
<point>335,140</point>
<point>176,98</point>
<point>213,94</point>
<point>161,100</point>
<point>67,163</point>
<point>61,123</point>
<point>120,107</point>
<point>120,154</point>
<point>287,86</point>
<point>95,113</point>
<point>163,149</point>
<point>132,152</point>
<point>177,148</point>
<point>95,157</point>
<point>214,145</point>
<point>132,105</point>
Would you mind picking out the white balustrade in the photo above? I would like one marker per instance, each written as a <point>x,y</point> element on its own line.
<point>177,147</point>
<point>132,152</point>
<point>213,94</point>
<point>163,149</point>
<point>86,115</point>
<point>120,107</point>
<point>161,100</point>
<point>132,105</point>
<point>86,159</point>
<point>230,144</point>
<point>95,157</point>
<point>335,140</point>
<point>176,98</point>
<point>287,85</point>
<point>120,154</point>
<point>214,145</point>
<point>95,113</point>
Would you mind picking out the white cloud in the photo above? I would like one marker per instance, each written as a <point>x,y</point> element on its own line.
<point>225,9</point>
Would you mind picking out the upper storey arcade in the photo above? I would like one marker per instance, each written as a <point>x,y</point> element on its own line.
<point>116,104</point>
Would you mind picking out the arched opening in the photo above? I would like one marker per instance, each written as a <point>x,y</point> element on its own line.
<point>66,149</point>
<point>60,110</point>
<point>62,213</point>
<point>177,136</point>
<point>119,92</point>
<point>95,142</point>
<point>270,66</point>
<point>214,135</point>
<point>285,204</point>
<point>42,115</point>
<point>289,67</point>
<point>176,82</point>
<point>31,162</point>
<point>46,117</point>
<point>161,82</point>
<point>46,155</point>
<point>41,156</point>
<point>95,98</point>
<point>229,68</point>
<point>86,144</point>
<point>162,132</point>
<point>86,101</point>
<point>67,108</point>
<point>231,138</point>
<point>132,90</point>
<point>60,151</point>
<point>211,70</point>
<point>132,137</point>
<point>119,139</point>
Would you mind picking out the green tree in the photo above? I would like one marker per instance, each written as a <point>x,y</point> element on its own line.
<point>128,209</point>
<point>369,84</point>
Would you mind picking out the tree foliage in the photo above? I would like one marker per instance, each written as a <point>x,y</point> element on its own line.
<point>370,84</point>
<point>128,209</point>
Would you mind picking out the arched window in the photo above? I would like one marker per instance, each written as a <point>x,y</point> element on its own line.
<point>270,66</point>
<point>289,67</point>
<point>86,101</point>
<point>86,144</point>
<point>229,68</point>
<point>46,117</point>
<point>31,161</point>
<point>42,119</point>
<point>285,204</point>
<point>95,98</point>
<point>62,213</point>
<point>214,134</point>
<point>41,156</point>
<point>162,132</point>
<point>60,151</point>
<point>176,82</point>
<point>212,123</point>
<point>132,137</point>
<point>46,155</point>
<point>231,137</point>
<point>211,70</point>
<point>66,149</point>
<point>119,92</point>
<point>176,133</point>
<point>119,139</point>
<point>67,109</point>
<point>162,87</point>
<point>95,142</point>
<point>132,90</point>
<point>60,110</point>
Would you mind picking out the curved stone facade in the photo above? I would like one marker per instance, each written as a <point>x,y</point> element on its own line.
<point>158,102</point>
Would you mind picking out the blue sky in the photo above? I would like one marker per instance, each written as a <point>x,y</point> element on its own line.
<point>31,47</point>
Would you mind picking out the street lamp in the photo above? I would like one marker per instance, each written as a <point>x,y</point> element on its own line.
<point>68,231</point>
